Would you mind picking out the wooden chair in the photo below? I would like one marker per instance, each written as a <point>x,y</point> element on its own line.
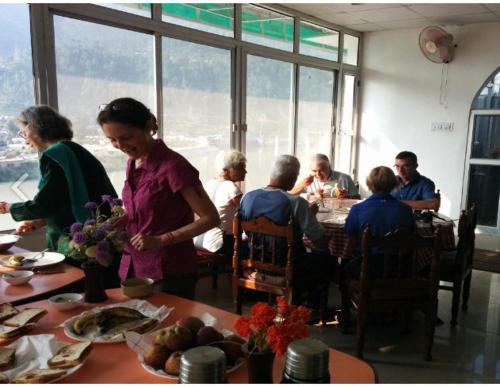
<point>266,258</point>
<point>456,266</point>
<point>399,288</point>
<point>214,261</point>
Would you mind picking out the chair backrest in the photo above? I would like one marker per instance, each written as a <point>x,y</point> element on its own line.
<point>398,276</point>
<point>466,235</point>
<point>437,196</point>
<point>264,240</point>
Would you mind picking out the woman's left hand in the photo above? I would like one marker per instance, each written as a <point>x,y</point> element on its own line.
<point>4,207</point>
<point>143,242</point>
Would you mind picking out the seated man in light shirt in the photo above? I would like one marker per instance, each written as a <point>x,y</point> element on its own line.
<point>276,204</point>
<point>324,178</point>
<point>414,189</point>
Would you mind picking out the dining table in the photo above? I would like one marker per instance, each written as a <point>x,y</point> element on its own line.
<point>117,363</point>
<point>332,215</point>
<point>46,281</point>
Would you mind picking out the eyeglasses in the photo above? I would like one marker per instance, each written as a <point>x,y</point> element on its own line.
<point>116,106</point>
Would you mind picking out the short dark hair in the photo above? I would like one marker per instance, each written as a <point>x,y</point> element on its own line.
<point>46,122</point>
<point>407,155</point>
<point>381,179</point>
<point>127,111</point>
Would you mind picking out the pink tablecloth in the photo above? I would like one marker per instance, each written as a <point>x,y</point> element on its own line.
<point>339,242</point>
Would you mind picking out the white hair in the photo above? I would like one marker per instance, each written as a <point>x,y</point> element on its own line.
<point>285,167</point>
<point>321,159</point>
<point>228,159</point>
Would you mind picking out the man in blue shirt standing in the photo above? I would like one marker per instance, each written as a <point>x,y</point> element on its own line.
<point>414,189</point>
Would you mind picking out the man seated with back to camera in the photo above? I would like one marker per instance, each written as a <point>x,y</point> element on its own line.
<point>276,204</point>
<point>382,213</point>
<point>414,189</point>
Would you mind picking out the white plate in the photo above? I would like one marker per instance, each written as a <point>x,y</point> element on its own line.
<point>163,374</point>
<point>34,351</point>
<point>49,258</point>
<point>141,305</point>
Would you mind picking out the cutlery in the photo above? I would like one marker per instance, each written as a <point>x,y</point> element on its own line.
<point>36,257</point>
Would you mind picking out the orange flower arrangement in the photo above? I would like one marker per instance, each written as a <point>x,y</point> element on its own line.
<point>273,327</point>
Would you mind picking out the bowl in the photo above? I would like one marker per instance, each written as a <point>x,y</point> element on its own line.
<point>137,287</point>
<point>66,301</point>
<point>17,277</point>
<point>7,241</point>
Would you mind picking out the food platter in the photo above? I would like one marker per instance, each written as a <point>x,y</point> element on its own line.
<point>48,258</point>
<point>34,351</point>
<point>116,333</point>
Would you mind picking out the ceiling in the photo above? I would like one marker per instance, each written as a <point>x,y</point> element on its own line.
<point>391,16</point>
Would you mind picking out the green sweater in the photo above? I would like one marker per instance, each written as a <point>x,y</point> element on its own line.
<point>70,177</point>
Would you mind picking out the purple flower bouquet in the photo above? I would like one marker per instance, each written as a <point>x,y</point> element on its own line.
<point>98,240</point>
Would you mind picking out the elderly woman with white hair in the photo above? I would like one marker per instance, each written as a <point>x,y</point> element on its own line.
<point>226,195</point>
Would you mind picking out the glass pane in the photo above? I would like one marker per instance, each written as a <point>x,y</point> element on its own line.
<point>486,137</point>
<point>197,101</point>
<point>16,94</point>
<point>343,155</point>
<point>346,124</point>
<point>351,49</point>
<point>489,97</point>
<point>484,190</point>
<point>266,27</point>
<point>314,115</point>
<point>96,64</point>
<point>217,18</point>
<point>269,116</point>
<point>318,41</point>
<point>143,9</point>
<point>344,140</point>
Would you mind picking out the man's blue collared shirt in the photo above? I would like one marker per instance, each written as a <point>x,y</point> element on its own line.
<point>419,188</point>
<point>382,213</point>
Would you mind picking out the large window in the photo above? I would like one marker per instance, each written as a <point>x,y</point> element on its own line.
<point>315,114</point>
<point>346,133</point>
<point>96,64</point>
<point>269,116</point>
<point>318,41</point>
<point>16,94</point>
<point>196,101</point>
<point>141,9</point>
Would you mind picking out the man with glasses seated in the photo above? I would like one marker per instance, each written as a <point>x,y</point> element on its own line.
<point>414,189</point>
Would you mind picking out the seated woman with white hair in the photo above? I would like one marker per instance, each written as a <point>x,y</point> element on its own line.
<point>226,195</point>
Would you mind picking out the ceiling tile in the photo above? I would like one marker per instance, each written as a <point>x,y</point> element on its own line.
<point>438,10</point>
<point>337,7</point>
<point>387,14</point>
<point>400,24</point>
<point>343,18</point>
<point>468,19</point>
<point>365,27</point>
<point>493,7</point>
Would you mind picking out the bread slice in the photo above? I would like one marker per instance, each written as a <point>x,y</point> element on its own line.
<point>70,355</point>
<point>12,332</point>
<point>40,375</point>
<point>7,358</point>
<point>25,316</point>
<point>4,379</point>
<point>7,311</point>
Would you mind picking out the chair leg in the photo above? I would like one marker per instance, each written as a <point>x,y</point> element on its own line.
<point>457,285</point>
<point>236,295</point>
<point>360,327</point>
<point>430,323</point>
<point>466,291</point>
<point>345,316</point>
<point>215,274</point>
<point>323,306</point>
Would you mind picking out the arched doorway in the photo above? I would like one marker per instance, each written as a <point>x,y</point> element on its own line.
<point>482,179</point>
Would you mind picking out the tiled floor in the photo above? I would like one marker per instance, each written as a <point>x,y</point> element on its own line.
<point>468,354</point>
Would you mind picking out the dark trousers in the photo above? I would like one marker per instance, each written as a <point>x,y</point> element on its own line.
<point>183,285</point>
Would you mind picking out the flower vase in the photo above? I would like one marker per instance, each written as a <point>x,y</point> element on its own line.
<point>259,365</point>
<point>94,283</point>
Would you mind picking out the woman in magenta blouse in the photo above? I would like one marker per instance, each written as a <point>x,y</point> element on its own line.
<point>161,194</point>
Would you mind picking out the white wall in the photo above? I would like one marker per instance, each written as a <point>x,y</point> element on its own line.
<point>400,98</point>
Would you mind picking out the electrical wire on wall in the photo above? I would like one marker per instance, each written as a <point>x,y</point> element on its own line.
<point>443,92</point>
